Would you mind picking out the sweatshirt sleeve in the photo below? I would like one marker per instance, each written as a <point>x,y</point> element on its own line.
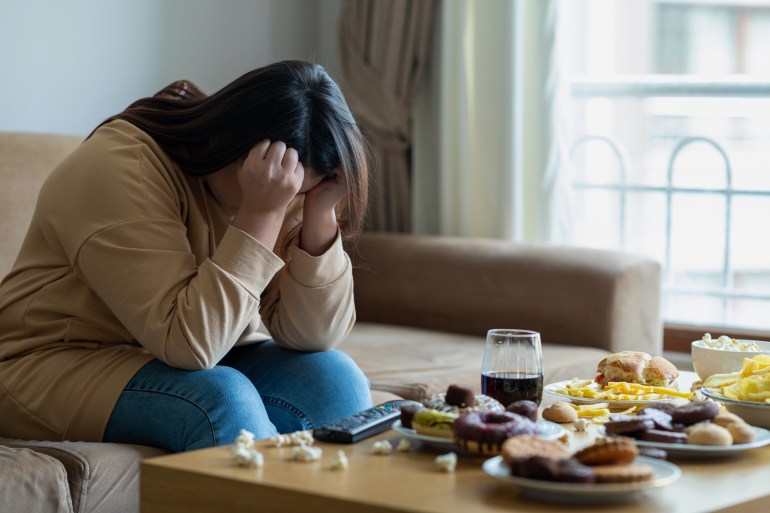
<point>188,316</point>
<point>313,307</point>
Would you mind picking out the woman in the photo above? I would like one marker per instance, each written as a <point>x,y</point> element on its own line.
<point>183,276</point>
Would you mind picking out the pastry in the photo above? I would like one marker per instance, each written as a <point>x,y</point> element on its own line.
<point>481,403</point>
<point>708,433</point>
<point>608,451</point>
<point>696,412</point>
<point>666,437</point>
<point>485,432</point>
<point>525,446</point>
<point>742,433</point>
<point>460,396</point>
<point>407,413</point>
<point>524,407</point>
<point>725,419</point>
<point>560,412</point>
<point>433,422</point>
<point>628,425</point>
<point>623,473</point>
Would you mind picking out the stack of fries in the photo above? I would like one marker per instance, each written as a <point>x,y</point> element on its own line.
<point>619,391</point>
<point>752,383</point>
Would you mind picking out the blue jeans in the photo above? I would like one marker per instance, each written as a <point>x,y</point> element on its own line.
<point>261,387</point>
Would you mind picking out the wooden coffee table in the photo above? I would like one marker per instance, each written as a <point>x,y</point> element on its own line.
<point>208,481</point>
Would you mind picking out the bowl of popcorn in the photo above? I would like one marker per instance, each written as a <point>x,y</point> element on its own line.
<point>724,354</point>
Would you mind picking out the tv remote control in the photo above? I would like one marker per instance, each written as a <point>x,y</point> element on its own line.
<point>361,425</point>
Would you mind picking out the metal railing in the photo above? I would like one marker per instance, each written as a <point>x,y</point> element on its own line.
<point>677,86</point>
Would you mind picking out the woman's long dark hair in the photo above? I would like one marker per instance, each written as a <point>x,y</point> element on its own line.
<point>292,101</point>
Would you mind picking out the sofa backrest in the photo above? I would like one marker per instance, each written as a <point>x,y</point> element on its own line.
<point>26,159</point>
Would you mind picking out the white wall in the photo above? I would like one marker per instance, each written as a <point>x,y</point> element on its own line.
<point>65,66</point>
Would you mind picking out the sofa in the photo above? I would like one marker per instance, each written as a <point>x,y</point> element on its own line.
<point>423,304</point>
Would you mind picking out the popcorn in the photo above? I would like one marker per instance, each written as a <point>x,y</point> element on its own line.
<point>446,462</point>
<point>244,453</point>
<point>404,445</point>
<point>725,343</point>
<point>247,457</point>
<point>381,447</point>
<point>340,461</point>
<point>244,438</point>
<point>306,453</point>
<point>293,439</point>
<point>580,424</point>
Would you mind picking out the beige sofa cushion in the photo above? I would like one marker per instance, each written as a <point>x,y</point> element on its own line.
<point>414,362</point>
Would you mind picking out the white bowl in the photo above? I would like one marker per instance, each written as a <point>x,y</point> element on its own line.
<point>755,413</point>
<point>707,361</point>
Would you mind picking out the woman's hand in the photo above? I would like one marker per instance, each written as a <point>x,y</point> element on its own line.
<point>319,218</point>
<point>269,179</point>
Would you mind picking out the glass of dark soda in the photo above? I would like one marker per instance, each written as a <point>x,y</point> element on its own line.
<point>512,368</point>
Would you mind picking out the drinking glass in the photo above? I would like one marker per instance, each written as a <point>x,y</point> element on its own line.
<point>512,369</point>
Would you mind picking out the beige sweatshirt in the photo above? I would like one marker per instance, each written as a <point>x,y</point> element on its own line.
<point>128,259</point>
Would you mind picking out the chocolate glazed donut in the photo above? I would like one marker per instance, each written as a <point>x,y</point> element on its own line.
<point>484,432</point>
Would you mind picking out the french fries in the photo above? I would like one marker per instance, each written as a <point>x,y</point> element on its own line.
<point>619,391</point>
<point>752,383</point>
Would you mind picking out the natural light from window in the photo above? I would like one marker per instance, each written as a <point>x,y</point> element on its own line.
<point>670,146</point>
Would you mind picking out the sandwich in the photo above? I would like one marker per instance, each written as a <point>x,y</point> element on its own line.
<point>637,367</point>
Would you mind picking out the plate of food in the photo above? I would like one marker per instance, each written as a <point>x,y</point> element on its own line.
<point>745,393</point>
<point>664,474</point>
<point>628,378</point>
<point>694,430</point>
<point>546,429</point>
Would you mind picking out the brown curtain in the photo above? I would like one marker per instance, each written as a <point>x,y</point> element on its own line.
<point>383,49</point>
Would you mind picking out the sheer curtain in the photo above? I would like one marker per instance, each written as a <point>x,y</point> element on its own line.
<point>489,158</point>
<point>383,50</point>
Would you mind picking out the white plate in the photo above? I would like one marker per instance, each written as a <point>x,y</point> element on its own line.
<point>756,414</point>
<point>709,451</point>
<point>553,387</point>
<point>582,493</point>
<point>548,430</point>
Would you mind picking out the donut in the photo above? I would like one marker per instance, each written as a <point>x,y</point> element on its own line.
<point>407,413</point>
<point>484,431</point>
<point>560,412</point>
<point>460,396</point>
<point>434,423</point>
<point>482,403</point>
<point>524,407</point>
<point>608,451</point>
<point>696,412</point>
<point>526,446</point>
<point>627,425</point>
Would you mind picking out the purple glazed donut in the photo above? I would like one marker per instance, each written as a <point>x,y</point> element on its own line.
<point>484,431</point>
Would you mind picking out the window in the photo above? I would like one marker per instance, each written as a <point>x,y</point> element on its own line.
<point>670,115</point>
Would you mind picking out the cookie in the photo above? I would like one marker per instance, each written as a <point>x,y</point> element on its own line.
<point>628,425</point>
<point>608,451</point>
<point>725,419</point>
<point>526,446</point>
<point>572,471</point>
<point>666,437</point>
<point>653,452</point>
<point>696,412</point>
<point>661,419</point>
<point>561,413</point>
<point>742,433</point>
<point>623,473</point>
<point>708,433</point>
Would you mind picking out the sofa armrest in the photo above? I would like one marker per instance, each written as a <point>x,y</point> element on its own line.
<point>572,296</point>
